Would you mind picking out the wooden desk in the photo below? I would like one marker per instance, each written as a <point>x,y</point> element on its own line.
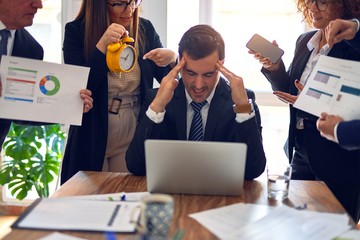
<point>314,193</point>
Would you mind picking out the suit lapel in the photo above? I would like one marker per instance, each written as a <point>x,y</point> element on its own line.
<point>300,59</point>
<point>179,108</point>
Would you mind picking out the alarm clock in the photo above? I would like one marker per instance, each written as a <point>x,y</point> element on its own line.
<point>121,56</point>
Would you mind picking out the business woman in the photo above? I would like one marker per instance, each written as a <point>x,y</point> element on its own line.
<point>311,155</point>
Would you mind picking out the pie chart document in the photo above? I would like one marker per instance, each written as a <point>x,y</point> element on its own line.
<point>38,91</point>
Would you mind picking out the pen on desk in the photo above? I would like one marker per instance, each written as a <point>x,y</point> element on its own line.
<point>301,207</point>
<point>123,197</point>
<point>110,236</point>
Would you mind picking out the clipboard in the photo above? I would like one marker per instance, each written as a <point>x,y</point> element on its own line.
<point>74,214</point>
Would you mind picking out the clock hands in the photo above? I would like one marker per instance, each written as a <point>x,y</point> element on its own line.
<point>125,58</point>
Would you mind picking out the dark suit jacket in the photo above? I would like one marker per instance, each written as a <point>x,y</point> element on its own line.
<point>85,149</point>
<point>24,46</point>
<point>348,134</point>
<point>329,161</point>
<point>220,126</point>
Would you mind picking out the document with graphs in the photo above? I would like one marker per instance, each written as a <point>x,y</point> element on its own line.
<point>38,91</point>
<point>333,87</point>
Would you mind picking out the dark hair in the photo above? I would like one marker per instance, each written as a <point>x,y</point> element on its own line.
<point>94,14</point>
<point>200,41</point>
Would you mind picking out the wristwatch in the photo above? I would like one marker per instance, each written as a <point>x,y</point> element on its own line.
<point>244,108</point>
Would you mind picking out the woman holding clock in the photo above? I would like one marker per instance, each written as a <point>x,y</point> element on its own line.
<point>101,142</point>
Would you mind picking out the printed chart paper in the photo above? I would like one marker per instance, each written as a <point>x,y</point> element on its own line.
<point>333,87</point>
<point>38,91</point>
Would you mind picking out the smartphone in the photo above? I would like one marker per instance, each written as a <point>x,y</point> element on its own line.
<point>260,45</point>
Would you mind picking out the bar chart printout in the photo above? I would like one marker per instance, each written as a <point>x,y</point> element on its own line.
<point>332,87</point>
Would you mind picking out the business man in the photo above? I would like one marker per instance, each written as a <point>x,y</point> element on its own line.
<point>14,16</point>
<point>226,113</point>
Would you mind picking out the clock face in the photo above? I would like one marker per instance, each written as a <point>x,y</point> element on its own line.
<point>127,58</point>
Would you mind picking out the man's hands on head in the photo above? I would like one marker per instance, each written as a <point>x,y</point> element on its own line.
<point>238,92</point>
<point>167,88</point>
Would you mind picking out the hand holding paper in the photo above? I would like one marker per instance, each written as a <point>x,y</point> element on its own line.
<point>34,90</point>
<point>333,87</point>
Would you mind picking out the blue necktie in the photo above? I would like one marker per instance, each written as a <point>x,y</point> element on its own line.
<point>3,42</point>
<point>196,129</point>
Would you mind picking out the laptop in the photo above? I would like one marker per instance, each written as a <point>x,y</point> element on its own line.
<point>188,167</point>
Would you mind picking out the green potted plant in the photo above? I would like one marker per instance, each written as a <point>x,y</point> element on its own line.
<point>32,159</point>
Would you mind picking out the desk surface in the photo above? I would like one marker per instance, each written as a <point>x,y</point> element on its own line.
<point>314,193</point>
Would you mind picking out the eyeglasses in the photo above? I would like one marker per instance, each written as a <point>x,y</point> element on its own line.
<point>321,4</point>
<point>121,6</point>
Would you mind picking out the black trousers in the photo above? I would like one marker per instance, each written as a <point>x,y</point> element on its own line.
<point>349,196</point>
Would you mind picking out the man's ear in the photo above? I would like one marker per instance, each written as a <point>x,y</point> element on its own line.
<point>222,61</point>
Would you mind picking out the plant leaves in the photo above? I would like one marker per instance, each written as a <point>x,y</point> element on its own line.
<point>32,158</point>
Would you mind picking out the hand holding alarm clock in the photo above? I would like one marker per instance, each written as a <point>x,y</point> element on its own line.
<point>121,56</point>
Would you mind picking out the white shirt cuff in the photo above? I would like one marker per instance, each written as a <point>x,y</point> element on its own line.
<point>335,133</point>
<point>154,116</point>
<point>242,117</point>
<point>358,23</point>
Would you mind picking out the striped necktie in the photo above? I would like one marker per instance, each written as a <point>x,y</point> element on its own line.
<point>4,41</point>
<point>196,129</point>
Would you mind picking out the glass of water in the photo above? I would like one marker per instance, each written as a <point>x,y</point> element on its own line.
<point>278,177</point>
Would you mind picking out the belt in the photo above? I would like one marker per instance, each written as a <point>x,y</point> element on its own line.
<point>121,102</point>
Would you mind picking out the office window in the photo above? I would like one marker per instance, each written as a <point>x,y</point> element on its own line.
<point>47,29</point>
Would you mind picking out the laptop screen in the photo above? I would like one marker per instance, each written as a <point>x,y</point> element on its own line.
<point>188,167</point>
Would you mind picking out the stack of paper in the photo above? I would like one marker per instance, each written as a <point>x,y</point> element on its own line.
<point>257,222</point>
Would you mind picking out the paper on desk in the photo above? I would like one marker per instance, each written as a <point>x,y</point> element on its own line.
<point>352,234</point>
<point>224,220</point>
<point>288,223</point>
<point>333,87</point>
<point>80,214</point>
<point>60,236</point>
<point>34,90</point>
